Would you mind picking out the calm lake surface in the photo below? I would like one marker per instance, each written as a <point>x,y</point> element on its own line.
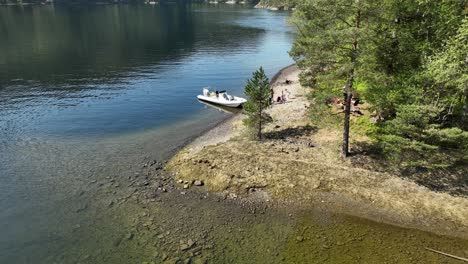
<point>88,94</point>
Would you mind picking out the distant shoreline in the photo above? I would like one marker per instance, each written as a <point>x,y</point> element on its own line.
<point>74,3</point>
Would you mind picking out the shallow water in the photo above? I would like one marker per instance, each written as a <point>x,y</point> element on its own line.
<point>90,93</point>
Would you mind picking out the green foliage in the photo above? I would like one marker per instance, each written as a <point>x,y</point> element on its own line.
<point>258,94</point>
<point>319,112</point>
<point>424,104</point>
<point>448,138</point>
<point>323,47</point>
<point>333,46</point>
<point>412,138</point>
<point>411,66</point>
<point>408,33</point>
<point>364,126</point>
<point>450,66</point>
<point>449,70</point>
<point>385,97</point>
<point>411,121</point>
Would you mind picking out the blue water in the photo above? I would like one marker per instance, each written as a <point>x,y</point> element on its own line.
<point>94,71</point>
<point>89,92</point>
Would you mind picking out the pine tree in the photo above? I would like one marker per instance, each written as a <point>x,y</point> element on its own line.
<point>329,47</point>
<point>258,93</point>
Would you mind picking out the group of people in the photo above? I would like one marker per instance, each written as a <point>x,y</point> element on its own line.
<point>283,98</point>
<point>216,94</point>
<point>280,99</point>
<point>354,101</point>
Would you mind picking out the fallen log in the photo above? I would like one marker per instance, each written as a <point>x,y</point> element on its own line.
<point>447,255</point>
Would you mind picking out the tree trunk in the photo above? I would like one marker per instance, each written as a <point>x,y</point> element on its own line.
<point>259,135</point>
<point>349,85</point>
<point>345,148</point>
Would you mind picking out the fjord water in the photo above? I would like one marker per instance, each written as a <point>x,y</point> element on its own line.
<point>89,92</point>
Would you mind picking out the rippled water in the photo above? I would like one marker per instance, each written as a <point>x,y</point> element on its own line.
<point>88,92</point>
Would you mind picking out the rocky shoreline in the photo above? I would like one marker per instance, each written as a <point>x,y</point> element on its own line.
<point>179,221</point>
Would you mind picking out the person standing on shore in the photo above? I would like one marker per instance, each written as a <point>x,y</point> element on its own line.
<point>272,96</point>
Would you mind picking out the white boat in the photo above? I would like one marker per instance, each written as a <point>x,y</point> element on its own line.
<point>221,98</point>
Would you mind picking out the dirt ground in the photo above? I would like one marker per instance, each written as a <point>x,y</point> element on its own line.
<point>299,164</point>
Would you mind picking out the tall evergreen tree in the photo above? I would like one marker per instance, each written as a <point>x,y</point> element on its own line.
<point>258,93</point>
<point>331,46</point>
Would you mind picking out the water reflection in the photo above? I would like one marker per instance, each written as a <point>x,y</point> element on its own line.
<point>97,44</point>
<point>224,109</point>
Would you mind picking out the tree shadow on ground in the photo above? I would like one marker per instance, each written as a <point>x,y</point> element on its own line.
<point>291,132</point>
<point>451,180</point>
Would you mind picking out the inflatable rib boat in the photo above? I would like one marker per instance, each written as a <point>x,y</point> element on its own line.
<point>221,98</point>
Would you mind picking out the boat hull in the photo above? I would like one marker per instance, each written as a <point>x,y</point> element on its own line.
<point>220,101</point>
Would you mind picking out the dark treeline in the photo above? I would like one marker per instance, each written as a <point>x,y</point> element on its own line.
<point>91,1</point>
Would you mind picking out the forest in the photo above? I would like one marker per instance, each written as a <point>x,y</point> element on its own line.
<point>407,59</point>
